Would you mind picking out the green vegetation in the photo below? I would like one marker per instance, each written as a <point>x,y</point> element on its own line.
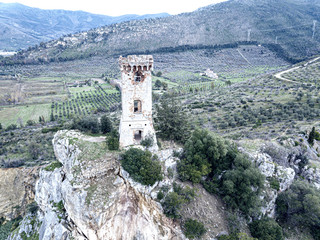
<point>193,229</point>
<point>142,166</point>
<point>173,201</point>
<point>106,124</point>
<point>147,141</point>
<point>171,120</point>
<point>266,229</point>
<point>236,236</point>
<point>300,206</point>
<point>86,124</point>
<point>210,156</point>
<point>53,166</point>
<point>25,147</point>
<point>6,228</point>
<point>112,140</point>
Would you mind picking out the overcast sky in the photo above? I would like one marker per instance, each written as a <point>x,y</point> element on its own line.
<point>119,7</point>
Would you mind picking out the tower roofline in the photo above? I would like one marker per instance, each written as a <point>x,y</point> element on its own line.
<point>136,60</point>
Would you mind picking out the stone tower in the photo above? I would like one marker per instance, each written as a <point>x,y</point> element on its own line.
<point>136,96</point>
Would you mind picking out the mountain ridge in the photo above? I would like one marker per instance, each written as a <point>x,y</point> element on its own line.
<point>288,26</point>
<point>22,26</point>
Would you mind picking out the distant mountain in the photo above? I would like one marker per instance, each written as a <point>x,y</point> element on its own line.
<point>22,26</point>
<point>292,26</point>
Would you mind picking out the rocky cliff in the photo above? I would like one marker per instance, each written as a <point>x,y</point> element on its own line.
<point>89,198</point>
<point>17,190</point>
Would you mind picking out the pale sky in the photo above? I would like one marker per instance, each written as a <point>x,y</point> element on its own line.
<point>119,7</point>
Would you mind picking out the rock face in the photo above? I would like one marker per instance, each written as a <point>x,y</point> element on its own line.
<point>88,198</point>
<point>278,179</point>
<point>17,189</point>
<point>312,175</point>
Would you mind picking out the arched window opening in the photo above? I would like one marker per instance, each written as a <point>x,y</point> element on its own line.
<point>137,108</point>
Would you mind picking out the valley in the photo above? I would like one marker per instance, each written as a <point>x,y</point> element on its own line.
<point>236,117</point>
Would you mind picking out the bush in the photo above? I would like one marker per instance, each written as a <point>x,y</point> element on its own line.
<point>174,200</point>
<point>30,123</point>
<point>53,166</point>
<point>202,153</point>
<point>171,120</point>
<point>193,229</point>
<point>266,229</point>
<point>274,183</point>
<point>236,236</point>
<point>86,124</point>
<point>106,124</point>
<point>142,166</point>
<point>113,140</point>
<point>11,127</point>
<point>227,171</point>
<point>241,185</point>
<point>300,206</point>
<point>147,141</point>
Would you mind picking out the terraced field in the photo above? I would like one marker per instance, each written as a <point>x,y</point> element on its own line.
<point>52,90</point>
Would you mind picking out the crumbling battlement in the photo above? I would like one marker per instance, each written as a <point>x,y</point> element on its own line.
<point>133,63</point>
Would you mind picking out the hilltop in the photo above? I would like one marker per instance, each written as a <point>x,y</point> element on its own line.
<point>22,26</point>
<point>285,26</point>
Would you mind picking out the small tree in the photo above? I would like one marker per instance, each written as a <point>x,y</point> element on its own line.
<point>113,140</point>
<point>106,124</point>
<point>33,150</point>
<point>142,166</point>
<point>171,120</point>
<point>266,229</point>
<point>193,229</point>
<point>158,84</point>
<point>312,136</point>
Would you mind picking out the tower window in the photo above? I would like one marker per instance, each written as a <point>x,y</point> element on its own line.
<point>137,106</point>
<point>137,77</point>
<point>138,135</point>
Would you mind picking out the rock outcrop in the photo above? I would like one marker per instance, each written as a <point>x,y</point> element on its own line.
<point>17,190</point>
<point>278,179</point>
<point>88,198</point>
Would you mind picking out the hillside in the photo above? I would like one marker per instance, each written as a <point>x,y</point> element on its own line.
<point>22,26</point>
<point>287,23</point>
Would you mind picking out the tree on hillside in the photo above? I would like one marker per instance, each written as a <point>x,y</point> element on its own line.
<point>300,206</point>
<point>171,120</point>
<point>312,135</point>
<point>106,124</point>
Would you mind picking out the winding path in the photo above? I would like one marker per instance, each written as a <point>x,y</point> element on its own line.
<point>279,75</point>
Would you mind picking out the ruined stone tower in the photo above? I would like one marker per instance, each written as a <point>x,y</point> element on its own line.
<point>136,96</point>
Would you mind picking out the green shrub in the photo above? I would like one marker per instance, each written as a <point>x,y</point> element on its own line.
<point>113,140</point>
<point>300,206</point>
<point>142,166</point>
<point>106,124</point>
<point>266,229</point>
<point>53,166</point>
<point>274,183</point>
<point>193,229</point>
<point>202,153</point>
<point>147,141</point>
<point>241,185</point>
<point>32,207</point>
<point>171,120</point>
<point>86,124</point>
<point>236,236</point>
<point>174,200</point>
<point>11,127</point>
<point>227,171</point>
